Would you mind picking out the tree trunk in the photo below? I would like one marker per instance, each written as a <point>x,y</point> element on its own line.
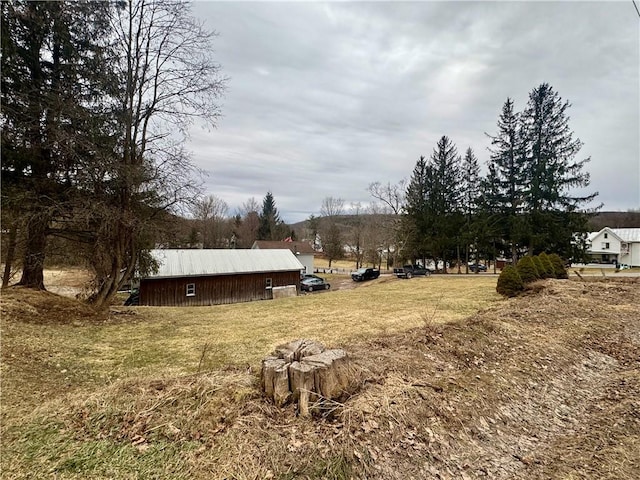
<point>11,251</point>
<point>466,259</point>
<point>33,265</point>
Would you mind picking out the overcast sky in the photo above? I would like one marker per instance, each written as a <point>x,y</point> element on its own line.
<point>325,98</point>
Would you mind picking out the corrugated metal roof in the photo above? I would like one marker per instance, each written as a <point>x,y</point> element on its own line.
<point>191,263</point>
<point>625,234</point>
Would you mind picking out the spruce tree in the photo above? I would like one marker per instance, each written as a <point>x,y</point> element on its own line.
<point>506,165</point>
<point>415,219</point>
<point>552,173</point>
<point>470,186</point>
<point>271,227</point>
<point>445,199</point>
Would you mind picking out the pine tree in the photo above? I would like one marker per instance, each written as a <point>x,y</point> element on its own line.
<point>506,164</point>
<point>470,186</point>
<point>415,219</point>
<point>445,199</point>
<point>551,172</point>
<point>54,75</point>
<point>434,214</point>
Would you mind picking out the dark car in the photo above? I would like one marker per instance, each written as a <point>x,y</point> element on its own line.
<point>309,275</point>
<point>133,299</point>
<point>409,271</point>
<point>313,283</point>
<point>481,268</point>
<point>363,274</point>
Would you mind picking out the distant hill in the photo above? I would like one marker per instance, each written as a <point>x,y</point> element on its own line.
<point>615,220</point>
<point>599,221</point>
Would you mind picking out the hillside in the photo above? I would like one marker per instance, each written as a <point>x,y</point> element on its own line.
<point>615,220</point>
<point>545,386</point>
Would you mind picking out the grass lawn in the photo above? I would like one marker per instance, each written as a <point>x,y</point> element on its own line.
<point>56,353</point>
<point>181,340</point>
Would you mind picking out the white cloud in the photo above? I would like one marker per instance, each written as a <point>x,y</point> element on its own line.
<point>325,98</point>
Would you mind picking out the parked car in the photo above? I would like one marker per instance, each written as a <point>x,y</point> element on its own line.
<point>133,299</point>
<point>309,275</point>
<point>409,271</point>
<point>313,283</point>
<point>481,268</point>
<point>363,274</point>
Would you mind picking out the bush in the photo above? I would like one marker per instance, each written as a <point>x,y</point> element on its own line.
<point>509,282</point>
<point>547,266</point>
<point>542,273</point>
<point>527,270</point>
<point>559,269</point>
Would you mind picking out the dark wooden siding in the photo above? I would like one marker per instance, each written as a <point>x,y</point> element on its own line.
<point>214,290</point>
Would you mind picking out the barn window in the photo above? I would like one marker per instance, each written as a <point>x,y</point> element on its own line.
<point>269,283</point>
<point>606,235</point>
<point>191,289</point>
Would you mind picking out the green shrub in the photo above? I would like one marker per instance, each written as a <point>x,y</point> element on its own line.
<point>527,270</point>
<point>542,273</point>
<point>547,266</point>
<point>558,266</point>
<point>509,282</point>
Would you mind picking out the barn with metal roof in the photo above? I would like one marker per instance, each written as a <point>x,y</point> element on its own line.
<point>213,277</point>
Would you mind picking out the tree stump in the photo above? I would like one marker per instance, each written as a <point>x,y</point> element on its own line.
<point>303,371</point>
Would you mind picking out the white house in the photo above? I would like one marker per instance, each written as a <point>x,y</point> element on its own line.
<point>611,245</point>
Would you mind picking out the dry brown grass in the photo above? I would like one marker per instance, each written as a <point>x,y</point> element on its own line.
<point>542,386</point>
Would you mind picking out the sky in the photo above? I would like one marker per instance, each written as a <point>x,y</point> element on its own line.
<point>324,98</point>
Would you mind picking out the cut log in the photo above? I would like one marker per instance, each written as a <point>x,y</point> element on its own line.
<point>331,377</point>
<point>298,349</point>
<point>303,371</point>
<point>302,385</point>
<point>275,380</point>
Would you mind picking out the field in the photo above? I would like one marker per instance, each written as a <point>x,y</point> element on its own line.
<point>454,382</point>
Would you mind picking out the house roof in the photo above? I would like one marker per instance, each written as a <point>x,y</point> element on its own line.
<point>209,262</point>
<point>295,247</point>
<point>628,235</point>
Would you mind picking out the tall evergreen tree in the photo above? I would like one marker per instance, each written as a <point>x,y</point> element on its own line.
<point>54,76</point>
<point>415,219</point>
<point>470,186</point>
<point>271,226</point>
<point>508,169</point>
<point>445,214</point>
<point>552,173</point>
<point>433,204</point>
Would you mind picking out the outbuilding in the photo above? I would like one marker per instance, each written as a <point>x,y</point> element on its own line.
<point>213,277</point>
<point>302,250</point>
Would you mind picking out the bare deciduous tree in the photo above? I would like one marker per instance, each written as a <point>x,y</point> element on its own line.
<point>386,219</point>
<point>167,80</point>
<point>210,213</point>
<point>330,233</point>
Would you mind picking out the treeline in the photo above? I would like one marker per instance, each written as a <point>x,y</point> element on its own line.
<point>96,100</point>
<point>528,202</point>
